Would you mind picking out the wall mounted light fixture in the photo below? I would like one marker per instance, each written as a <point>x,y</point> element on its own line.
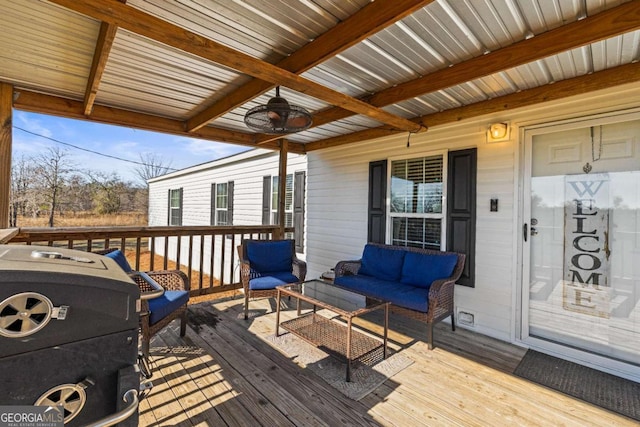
<point>498,132</point>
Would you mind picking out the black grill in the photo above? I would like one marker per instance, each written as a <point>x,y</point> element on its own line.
<point>68,332</point>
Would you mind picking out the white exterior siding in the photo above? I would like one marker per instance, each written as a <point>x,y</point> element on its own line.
<point>337,199</point>
<point>246,170</point>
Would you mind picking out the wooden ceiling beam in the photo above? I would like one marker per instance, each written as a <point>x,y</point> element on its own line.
<point>46,104</point>
<point>359,26</point>
<point>578,85</point>
<point>100,56</point>
<point>147,25</point>
<point>610,23</point>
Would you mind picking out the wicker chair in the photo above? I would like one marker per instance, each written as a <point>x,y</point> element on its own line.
<point>169,280</point>
<point>265,264</point>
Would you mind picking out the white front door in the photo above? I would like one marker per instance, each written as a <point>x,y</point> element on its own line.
<point>581,242</point>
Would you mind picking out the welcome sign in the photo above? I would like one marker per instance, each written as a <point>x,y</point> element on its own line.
<point>586,245</point>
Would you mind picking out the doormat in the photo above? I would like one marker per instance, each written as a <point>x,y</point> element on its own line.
<point>599,388</point>
<point>364,378</point>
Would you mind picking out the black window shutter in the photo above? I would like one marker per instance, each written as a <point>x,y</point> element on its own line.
<point>298,210</point>
<point>461,209</point>
<point>169,208</point>
<point>180,209</point>
<point>377,215</point>
<point>213,204</point>
<point>266,200</point>
<point>230,203</point>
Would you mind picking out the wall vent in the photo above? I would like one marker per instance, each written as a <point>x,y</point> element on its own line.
<point>466,318</point>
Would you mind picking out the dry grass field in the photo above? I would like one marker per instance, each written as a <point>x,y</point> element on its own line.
<point>86,219</point>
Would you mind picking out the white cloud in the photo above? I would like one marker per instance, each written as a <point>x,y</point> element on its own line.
<point>32,124</point>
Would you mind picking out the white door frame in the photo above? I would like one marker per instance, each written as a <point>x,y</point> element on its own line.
<point>521,307</point>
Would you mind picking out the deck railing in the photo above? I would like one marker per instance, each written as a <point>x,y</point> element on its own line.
<point>206,254</point>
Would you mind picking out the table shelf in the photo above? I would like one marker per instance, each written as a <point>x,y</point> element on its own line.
<point>331,336</point>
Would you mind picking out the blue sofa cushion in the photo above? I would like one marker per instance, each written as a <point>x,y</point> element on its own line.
<point>270,256</point>
<point>271,280</point>
<point>381,263</point>
<point>166,304</point>
<point>402,295</point>
<point>120,259</point>
<point>422,269</point>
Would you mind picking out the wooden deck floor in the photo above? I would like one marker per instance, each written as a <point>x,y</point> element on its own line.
<point>223,374</point>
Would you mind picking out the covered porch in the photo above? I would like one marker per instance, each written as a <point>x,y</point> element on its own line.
<point>385,81</point>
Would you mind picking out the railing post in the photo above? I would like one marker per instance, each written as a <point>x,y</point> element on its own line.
<point>6,127</point>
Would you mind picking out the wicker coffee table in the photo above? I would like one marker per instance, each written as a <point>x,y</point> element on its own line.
<point>337,338</point>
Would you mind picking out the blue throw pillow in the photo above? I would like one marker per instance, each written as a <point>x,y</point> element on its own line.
<point>270,255</point>
<point>120,259</point>
<point>422,269</point>
<point>382,263</point>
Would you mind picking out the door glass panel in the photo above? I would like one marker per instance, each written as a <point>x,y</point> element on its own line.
<point>584,266</point>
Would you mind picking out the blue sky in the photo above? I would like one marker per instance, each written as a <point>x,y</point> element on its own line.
<point>180,152</point>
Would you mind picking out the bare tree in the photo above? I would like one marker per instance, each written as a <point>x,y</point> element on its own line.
<point>151,167</point>
<point>51,170</point>
<point>106,192</point>
<point>77,196</point>
<point>22,174</point>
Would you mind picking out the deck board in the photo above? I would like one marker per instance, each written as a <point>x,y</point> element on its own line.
<point>223,373</point>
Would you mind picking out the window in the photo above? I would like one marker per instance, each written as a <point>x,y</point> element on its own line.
<point>416,212</point>
<point>294,200</point>
<point>288,201</point>
<point>406,204</point>
<point>222,203</point>
<point>175,207</point>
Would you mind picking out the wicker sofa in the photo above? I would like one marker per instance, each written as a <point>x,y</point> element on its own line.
<point>418,282</point>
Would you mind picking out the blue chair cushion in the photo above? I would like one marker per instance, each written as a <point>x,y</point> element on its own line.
<point>271,280</point>
<point>270,255</point>
<point>166,304</point>
<point>407,296</point>
<point>382,263</point>
<point>422,269</point>
<point>120,259</point>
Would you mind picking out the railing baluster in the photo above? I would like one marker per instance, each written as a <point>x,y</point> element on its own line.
<point>224,253</point>
<point>138,241</point>
<point>190,261</point>
<point>211,260</point>
<point>152,255</point>
<point>201,269</point>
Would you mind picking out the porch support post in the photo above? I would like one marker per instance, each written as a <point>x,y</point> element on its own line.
<point>282,184</point>
<point>6,104</point>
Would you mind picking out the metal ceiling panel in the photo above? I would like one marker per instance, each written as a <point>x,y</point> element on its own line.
<point>265,30</point>
<point>142,73</point>
<point>45,47</point>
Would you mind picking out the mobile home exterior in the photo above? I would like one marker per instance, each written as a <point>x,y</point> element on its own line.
<point>235,190</point>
